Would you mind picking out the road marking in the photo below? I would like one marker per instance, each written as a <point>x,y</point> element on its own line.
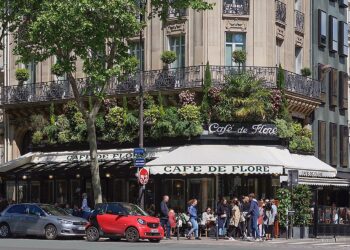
<point>301,243</point>
<point>344,245</point>
<point>327,244</point>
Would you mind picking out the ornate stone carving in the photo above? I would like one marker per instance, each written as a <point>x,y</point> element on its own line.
<point>299,41</point>
<point>236,25</point>
<point>175,28</point>
<point>280,32</point>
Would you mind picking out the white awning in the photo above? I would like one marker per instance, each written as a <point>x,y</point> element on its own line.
<point>221,159</point>
<point>324,182</point>
<point>310,166</point>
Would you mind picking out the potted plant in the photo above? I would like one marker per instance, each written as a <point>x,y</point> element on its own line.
<point>165,79</point>
<point>240,57</point>
<point>301,200</point>
<point>306,72</point>
<point>284,205</point>
<point>21,92</point>
<point>57,88</point>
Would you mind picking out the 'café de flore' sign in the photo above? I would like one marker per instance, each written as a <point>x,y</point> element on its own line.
<point>234,129</point>
<point>217,169</point>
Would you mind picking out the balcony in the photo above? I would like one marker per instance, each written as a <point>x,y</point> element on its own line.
<point>176,13</point>
<point>236,7</point>
<point>299,21</point>
<point>280,12</point>
<point>158,80</point>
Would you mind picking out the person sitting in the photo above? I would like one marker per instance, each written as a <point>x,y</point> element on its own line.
<point>208,220</point>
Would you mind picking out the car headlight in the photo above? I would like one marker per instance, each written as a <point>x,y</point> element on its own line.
<point>66,222</point>
<point>141,221</point>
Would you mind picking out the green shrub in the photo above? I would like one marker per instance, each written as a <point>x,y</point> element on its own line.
<point>285,204</point>
<point>69,109</point>
<point>38,122</point>
<point>302,197</point>
<point>190,113</point>
<point>51,131</point>
<point>100,125</point>
<point>115,117</point>
<point>239,56</point>
<point>205,107</point>
<point>62,123</point>
<point>64,136</point>
<point>306,72</point>
<point>168,57</point>
<point>152,114</point>
<point>37,137</point>
<point>22,75</point>
<point>57,70</point>
<point>284,129</point>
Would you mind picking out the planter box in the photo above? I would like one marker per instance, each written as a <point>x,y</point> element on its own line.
<point>300,232</point>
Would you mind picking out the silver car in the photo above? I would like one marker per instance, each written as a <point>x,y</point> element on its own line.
<point>41,220</point>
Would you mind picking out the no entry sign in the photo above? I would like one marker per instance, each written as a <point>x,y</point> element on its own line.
<point>143,176</point>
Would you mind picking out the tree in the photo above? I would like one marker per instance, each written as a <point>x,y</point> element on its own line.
<point>95,32</point>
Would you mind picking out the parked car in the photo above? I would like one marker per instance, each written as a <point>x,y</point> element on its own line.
<point>118,220</point>
<point>40,220</point>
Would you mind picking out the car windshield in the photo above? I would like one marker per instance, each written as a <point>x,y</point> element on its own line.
<point>52,210</point>
<point>132,209</point>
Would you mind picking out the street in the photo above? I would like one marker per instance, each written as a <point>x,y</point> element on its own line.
<point>37,244</point>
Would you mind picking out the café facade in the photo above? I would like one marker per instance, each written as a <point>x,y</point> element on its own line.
<point>227,160</point>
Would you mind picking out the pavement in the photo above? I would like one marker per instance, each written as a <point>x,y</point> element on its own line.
<point>71,244</point>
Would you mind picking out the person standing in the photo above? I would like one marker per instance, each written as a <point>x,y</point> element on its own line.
<point>235,219</point>
<point>172,221</point>
<point>223,212</point>
<point>164,216</point>
<point>254,213</point>
<point>261,218</point>
<point>275,213</point>
<point>246,218</point>
<point>192,211</point>
<point>85,209</point>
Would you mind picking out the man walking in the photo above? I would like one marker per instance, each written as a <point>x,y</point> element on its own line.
<point>164,215</point>
<point>254,212</point>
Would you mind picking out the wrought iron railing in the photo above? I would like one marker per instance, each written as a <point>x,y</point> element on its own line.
<point>280,12</point>
<point>167,80</point>
<point>299,21</point>
<point>236,7</point>
<point>175,13</point>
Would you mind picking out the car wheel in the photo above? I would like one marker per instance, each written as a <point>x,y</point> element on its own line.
<point>154,240</point>
<point>5,231</point>
<point>50,232</point>
<point>114,238</point>
<point>132,235</point>
<point>92,234</point>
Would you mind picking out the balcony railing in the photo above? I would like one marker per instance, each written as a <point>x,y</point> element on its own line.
<point>299,21</point>
<point>155,80</point>
<point>280,12</point>
<point>176,13</point>
<point>236,7</point>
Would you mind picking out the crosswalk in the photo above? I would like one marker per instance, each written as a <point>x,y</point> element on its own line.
<point>314,243</point>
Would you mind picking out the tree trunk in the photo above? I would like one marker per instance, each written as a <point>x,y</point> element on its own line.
<point>94,166</point>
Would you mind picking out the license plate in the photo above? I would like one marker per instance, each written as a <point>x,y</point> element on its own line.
<point>81,228</point>
<point>154,231</point>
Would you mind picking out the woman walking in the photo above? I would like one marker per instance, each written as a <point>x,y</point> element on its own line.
<point>192,211</point>
<point>235,219</point>
<point>269,220</point>
<point>223,212</point>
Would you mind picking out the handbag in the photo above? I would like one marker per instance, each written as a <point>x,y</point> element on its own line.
<point>223,216</point>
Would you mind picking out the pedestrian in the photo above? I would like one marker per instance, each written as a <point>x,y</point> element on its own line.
<point>172,221</point>
<point>223,212</point>
<point>68,209</point>
<point>245,217</point>
<point>261,218</point>
<point>235,219</point>
<point>85,209</point>
<point>269,220</point>
<point>275,215</point>
<point>164,216</point>
<point>254,213</point>
<point>192,211</point>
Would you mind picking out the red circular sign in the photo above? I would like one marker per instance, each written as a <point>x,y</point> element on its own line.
<point>143,176</point>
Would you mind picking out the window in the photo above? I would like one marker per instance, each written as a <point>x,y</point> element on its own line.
<point>322,140</point>
<point>333,34</point>
<point>298,59</point>
<point>298,5</point>
<point>236,7</point>
<point>234,41</point>
<point>34,210</point>
<point>343,3</point>
<point>137,50</point>
<point>278,51</point>
<point>343,39</point>
<point>333,144</point>
<point>114,208</point>
<point>343,90</point>
<point>322,28</point>
<point>17,209</point>
<point>333,88</point>
<point>177,44</point>
<point>344,142</point>
<point>31,67</point>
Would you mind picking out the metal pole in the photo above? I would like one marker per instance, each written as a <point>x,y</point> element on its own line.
<point>143,187</point>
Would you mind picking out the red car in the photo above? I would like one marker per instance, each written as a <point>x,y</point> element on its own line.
<point>116,220</point>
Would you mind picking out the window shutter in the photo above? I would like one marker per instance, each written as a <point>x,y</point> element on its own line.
<point>344,142</point>
<point>343,90</point>
<point>333,144</point>
<point>322,29</point>
<point>343,39</point>
<point>322,140</point>
<point>333,88</point>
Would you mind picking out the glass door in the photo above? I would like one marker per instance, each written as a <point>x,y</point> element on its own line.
<point>47,192</point>
<point>75,192</point>
<point>35,191</point>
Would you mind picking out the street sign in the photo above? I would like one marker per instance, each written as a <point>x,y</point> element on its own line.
<point>139,151</point>
<point>143,176</point>
<point>140,162</point>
